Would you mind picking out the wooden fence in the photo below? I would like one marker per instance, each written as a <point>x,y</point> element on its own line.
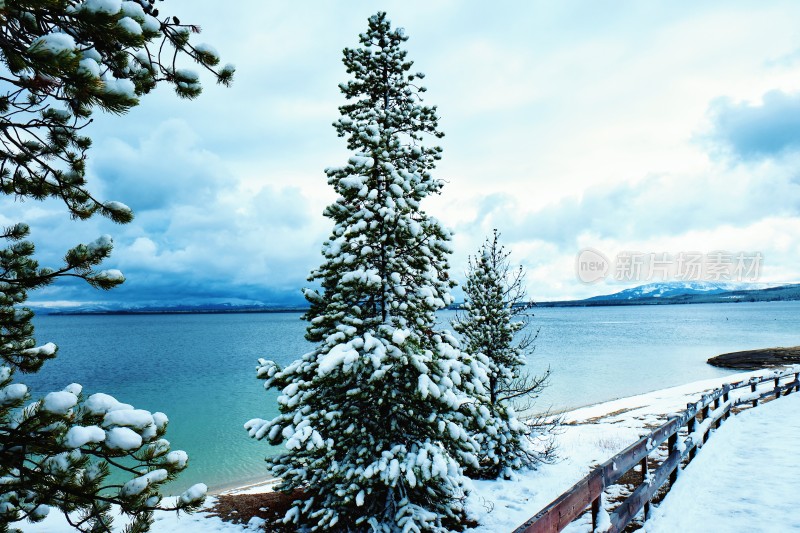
<point>698,419</point>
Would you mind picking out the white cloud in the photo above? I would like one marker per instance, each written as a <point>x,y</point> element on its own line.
<point>570,124</point>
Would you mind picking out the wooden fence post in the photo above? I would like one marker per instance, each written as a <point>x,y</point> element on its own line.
<point>753,389</point>
<point>690,428</point>
<point>789,386</point>
<point>777,388</point>
<point>797,381</point>
<point>671,444</point>
<point>725,396</point>
<point>716,406</point>
<point>596,511</point>
<point>645,474</point>
<point>706,413</point>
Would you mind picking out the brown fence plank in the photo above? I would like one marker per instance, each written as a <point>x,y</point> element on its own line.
<point>623,514</point>
<point>567,507</point>
<point>643,493</point>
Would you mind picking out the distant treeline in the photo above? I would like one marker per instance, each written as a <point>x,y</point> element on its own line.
<point>774,294</point>
<point>181,311</point>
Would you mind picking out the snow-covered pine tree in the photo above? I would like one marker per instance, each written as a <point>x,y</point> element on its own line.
<point>60,60</point>
<point>376,419</point>
<point>494,313</point>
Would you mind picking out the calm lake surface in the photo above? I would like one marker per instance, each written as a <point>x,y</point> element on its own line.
<point>200,369</point>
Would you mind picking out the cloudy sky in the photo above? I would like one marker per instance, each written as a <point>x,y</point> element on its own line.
<point>657,127</point>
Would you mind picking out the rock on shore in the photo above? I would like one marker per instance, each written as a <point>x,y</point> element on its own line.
<point>754,359</point>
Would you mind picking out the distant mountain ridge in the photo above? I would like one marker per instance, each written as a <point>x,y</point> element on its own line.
<point>678,288</point>
<point>674,292</point>
<point>689,292</point>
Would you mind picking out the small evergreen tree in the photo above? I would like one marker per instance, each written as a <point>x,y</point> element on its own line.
<point>494,317</point>
<point>377,419</point>
<point>60,61</point>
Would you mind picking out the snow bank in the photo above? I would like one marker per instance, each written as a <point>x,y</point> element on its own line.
<point>745,479</point>
<point>164,523</point>
<point>590,436</point>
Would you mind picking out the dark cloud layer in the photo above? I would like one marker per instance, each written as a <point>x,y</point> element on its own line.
<point>166,167</point>
<point>150,289</point>
<point>197,236</point>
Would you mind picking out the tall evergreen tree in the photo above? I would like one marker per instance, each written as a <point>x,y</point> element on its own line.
<point>60,60</point>
<point>376,420</point>
<point>492,324</point>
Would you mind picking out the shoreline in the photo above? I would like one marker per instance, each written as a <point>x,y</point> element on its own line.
<point>665,400</point>
<point>666,396</point>
<point>588,436</point>
<point>253,486</point>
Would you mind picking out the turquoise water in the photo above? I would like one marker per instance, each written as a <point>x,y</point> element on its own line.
<point>200,369</point>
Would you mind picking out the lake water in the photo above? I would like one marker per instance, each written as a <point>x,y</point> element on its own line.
<point>200,369</point>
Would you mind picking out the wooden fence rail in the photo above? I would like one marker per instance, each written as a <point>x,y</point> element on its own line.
<point>698,418</point>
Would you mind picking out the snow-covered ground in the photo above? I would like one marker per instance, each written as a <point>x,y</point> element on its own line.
<point>590,436</point>
<point>745,478</point>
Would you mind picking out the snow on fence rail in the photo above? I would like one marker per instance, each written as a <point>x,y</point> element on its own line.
<point>698,419</point>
